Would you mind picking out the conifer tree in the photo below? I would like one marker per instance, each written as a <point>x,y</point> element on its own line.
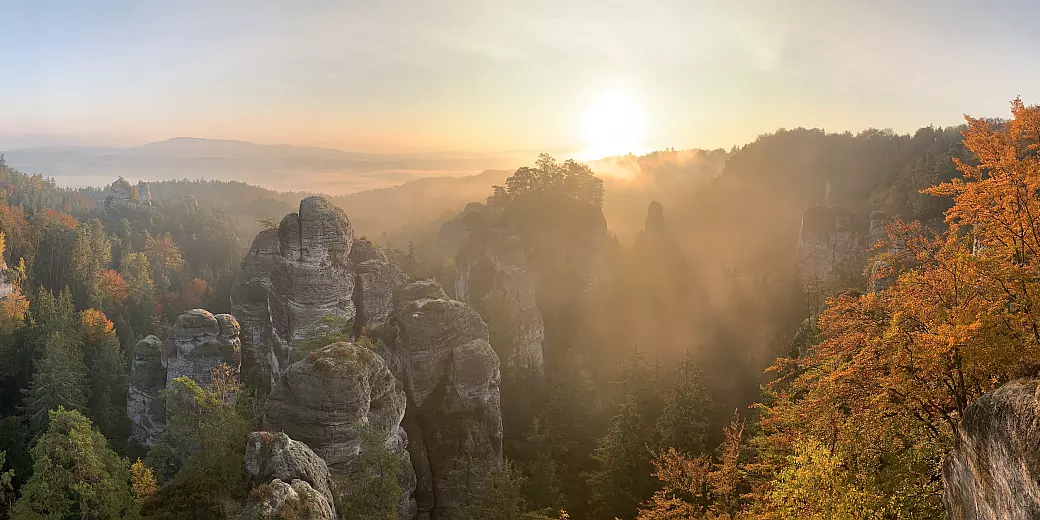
<point>75,474</point>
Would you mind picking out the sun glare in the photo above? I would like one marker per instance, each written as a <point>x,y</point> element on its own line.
<point>614,125</point>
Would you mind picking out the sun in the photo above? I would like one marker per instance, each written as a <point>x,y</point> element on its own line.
<point>614,125</point>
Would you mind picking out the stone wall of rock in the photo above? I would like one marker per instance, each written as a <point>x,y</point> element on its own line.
<point>324,400</point>
<point>830,238</point>
<point>439,349</point>
<point>294,476</point>
<point>144,405</point>
<point>495,279</point>
<point>311,266</point>
<point>993,471</point>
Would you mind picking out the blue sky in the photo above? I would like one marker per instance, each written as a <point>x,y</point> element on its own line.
<point>493,75</point>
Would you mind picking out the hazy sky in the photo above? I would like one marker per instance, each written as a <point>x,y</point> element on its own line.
<point>492,75</point>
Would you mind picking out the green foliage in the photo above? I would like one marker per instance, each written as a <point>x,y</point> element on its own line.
<point>372,489</point>
<point>6,487</point>
<point>816,485</point>
<point>495,494</point>
<point>75,474</point>
<point>202,449</point>
<point>571,179</point>
<point>331,328</point>
<point>60,377</point>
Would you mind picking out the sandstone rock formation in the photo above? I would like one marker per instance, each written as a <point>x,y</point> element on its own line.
<point>295,275</point>
<point>325,399</point>
<point>375,279</point>
<point>123,194</point>
<point>494,279</point>
<point>993,471</point>
<point>831,238</point>
<point>144,405</point>
<point>280,500</point>
<point>273,459</point>
<point>199,342</point>
<point>439,349</point>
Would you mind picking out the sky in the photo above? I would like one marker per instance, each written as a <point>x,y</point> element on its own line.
<point>489,75</point>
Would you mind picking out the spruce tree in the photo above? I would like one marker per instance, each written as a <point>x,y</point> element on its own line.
<point>75,474</point>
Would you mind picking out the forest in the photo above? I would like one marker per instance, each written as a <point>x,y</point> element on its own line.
<point>669,348</point>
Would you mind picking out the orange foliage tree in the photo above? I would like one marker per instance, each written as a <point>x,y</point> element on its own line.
<point>884,389</point>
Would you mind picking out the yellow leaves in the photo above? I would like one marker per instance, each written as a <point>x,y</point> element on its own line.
<point>142,482</point>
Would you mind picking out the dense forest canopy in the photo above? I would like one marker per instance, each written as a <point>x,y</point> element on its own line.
<point>693,367</point>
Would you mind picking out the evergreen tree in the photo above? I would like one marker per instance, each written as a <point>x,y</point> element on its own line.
<point>75,474</point>
<point>688,410</point>
<point>372,490</point>
<point>623,477</point>
<point>103,358</point>
<point>59,376</point>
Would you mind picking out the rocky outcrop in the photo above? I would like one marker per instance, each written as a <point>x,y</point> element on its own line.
<point>375,279</point>
<point>273,459</point>
<point>831,238</point>
<point>144,405</point>
<point>294,275</point>
<point>439,349</point>
<point>494,278</point>
<point>200,342</point>
<point>279,500</point>
<point>993,471</point>
<point>326,399</point>
<point>123,195</point>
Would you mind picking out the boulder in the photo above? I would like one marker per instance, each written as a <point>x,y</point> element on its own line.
<point>993,471</point>
<point>200,342</point>
<point>327,398</point>
<point>439,349</point>
<point>279,500</point>
<point>144,405</point>
<point>274,456</point>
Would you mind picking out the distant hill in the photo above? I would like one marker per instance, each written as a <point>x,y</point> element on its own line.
<point>279,167</point>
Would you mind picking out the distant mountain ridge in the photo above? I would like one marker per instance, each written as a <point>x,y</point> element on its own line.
<point>279,167</point>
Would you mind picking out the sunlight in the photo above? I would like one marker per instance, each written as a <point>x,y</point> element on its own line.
<point>614,125</point>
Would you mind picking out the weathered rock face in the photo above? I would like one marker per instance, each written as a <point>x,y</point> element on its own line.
<point>494,279</point>
<point>295,275</point>
<point>200,342</point>
<point>375,279</point>
<point>439,349</point>
<point>122,194</point>
<point>831,238</point>
<point>144,405</point>
<point>993,471</point>
<point>280,500</point>
<point>272,457</point>
<point>325,399</point>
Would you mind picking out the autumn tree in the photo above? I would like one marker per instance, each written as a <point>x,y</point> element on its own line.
<point>884,389</point>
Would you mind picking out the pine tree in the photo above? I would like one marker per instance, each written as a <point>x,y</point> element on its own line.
<point>103,358</point>
<point>623,478</point>
<point>75,474</point>
<point>59,380</point>
<point>688,410</point>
